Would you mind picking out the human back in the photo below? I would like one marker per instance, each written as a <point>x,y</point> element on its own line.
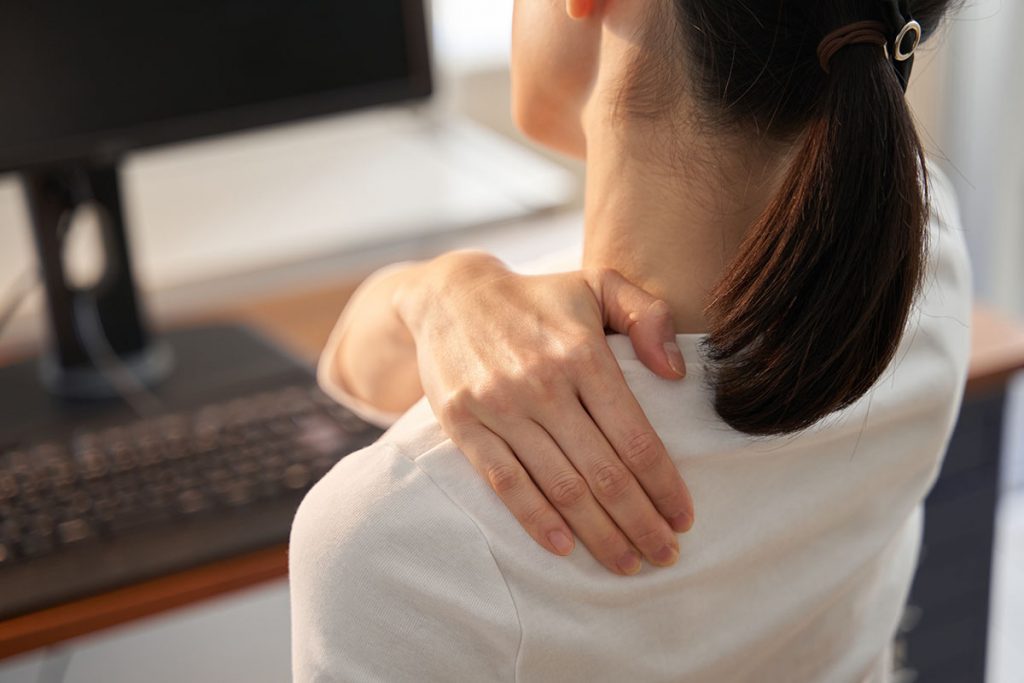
<point>797,569</point>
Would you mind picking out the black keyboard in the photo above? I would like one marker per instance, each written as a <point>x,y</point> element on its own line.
<point>112,506</point>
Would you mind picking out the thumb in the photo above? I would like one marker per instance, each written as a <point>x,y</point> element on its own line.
<point>647,320</point>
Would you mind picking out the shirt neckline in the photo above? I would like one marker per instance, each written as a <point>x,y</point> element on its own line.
<point>689,343</point>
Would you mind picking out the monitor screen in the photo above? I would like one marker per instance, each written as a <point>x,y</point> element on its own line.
<point>97,78</point>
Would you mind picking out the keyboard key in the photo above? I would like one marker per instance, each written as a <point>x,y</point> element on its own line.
<point>122,457</point>
<point>296,476</point>
<point>191,501</point>
<point>92,463</point>
<point>73,531</point>
<point>237,493</point>
<point>42,523</point>
<point>320,434</point>
<point>282,426</point>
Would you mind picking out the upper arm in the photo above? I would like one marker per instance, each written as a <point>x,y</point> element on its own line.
<point>391,581</point>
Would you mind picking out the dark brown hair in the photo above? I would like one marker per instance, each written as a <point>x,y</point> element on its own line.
<point>812,310</point>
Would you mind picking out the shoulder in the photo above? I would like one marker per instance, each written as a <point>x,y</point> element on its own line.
<point>950,268</point>
<point>944,307</point>
<point>390,580</point>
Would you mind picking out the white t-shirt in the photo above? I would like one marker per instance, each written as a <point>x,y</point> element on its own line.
<point>405,566</point>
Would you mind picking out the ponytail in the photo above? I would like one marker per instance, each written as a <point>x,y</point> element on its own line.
<point>814,306</point>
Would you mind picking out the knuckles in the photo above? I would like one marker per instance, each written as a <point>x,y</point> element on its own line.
<point>492,397</point>
<point>516,390</point>
<point>583,357</point>
<point>538,379</point>
<point>568,490</point>
<point>535,377</point>
<point>455,408</point>
<point>505,478</point>
<point>641,451</point>
<point>465,405</point>
<point>611,480</point>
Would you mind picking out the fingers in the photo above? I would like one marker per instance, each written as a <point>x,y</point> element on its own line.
<point>646,319</point>
<point>615,487</point>
<point>614,409</point>
<point>572,497</point>
<point>494,461</point>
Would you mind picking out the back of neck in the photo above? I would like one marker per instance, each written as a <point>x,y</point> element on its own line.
<point>672,229</point>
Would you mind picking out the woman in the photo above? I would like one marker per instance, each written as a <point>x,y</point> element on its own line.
<point>754,176</point>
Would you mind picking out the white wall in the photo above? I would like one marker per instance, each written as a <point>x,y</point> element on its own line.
<point>969,98</point>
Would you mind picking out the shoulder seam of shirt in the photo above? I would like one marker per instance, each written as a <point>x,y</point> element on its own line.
<point>508,589</point>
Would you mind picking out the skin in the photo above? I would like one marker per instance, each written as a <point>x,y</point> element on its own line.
<point>516,368</point>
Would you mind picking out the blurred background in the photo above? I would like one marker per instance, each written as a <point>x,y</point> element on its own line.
<point>221,223</point>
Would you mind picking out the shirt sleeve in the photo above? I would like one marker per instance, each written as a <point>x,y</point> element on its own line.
<point>326,376</point>
<point>391,581</point>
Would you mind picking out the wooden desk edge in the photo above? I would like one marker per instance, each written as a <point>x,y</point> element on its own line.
<point>81,617</point>
<point>997,350</point>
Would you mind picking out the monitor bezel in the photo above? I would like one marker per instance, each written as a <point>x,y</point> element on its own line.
<point>112,144</point>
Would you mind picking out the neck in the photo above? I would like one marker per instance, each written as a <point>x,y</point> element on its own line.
<point>672,228</point>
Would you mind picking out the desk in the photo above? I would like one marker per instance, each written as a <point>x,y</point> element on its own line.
<point>301,321</point>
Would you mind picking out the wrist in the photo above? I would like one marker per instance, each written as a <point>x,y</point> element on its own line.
<point>435,280</point>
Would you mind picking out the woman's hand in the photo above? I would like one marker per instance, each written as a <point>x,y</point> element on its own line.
<point>519,373</point>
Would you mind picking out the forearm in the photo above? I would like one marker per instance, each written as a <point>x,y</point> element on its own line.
<point>371,355</point>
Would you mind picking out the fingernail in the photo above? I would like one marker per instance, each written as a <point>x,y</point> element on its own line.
<point>681,522</point>
<point>665,556</point>
<point>629,563</point>
<point>675,358</point>
<point>562,543</point>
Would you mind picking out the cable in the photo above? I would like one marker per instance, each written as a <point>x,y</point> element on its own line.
<point>102,355</point>
<point>27,281</point>
<point>120,375</point>
<point>24,285</point>
<point>132,390</point>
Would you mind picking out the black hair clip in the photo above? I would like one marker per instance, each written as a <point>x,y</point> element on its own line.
<point>907,32</point>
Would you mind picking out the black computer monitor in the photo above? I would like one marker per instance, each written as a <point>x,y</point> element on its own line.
<point>82,84</point>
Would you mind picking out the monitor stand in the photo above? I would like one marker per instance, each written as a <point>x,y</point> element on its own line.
<point>92,329</point>
<point>103,318</point>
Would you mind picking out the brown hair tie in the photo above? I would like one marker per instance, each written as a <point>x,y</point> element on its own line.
<point>857,33</point>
